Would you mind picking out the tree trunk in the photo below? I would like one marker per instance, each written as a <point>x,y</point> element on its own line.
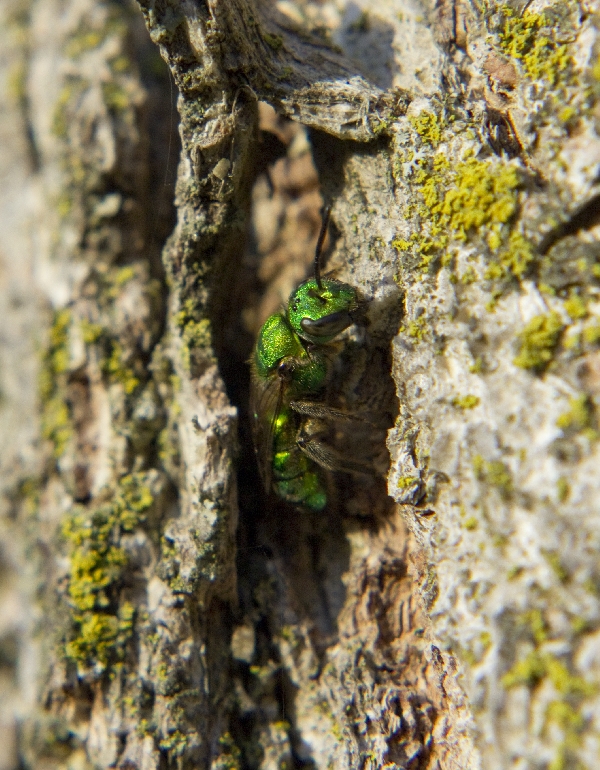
<point>160,610</point>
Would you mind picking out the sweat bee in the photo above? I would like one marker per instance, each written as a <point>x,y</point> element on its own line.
<point>291,368</point>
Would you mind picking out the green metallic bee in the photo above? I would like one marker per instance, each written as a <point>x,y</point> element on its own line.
<point>290,371</point>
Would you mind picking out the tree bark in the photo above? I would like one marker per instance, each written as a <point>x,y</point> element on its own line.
<point>159,609</point>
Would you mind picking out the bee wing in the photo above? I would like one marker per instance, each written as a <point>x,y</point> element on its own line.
<point>266,400</point>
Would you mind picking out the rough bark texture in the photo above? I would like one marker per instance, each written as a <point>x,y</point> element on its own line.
<point>443,614</point>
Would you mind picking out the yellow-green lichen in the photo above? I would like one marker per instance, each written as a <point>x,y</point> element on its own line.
<point>17,82</point>
<point>291,634</point>
<point>576,307</point>
<point>275,42</point>
<point>596,69</point>
<point>465,402</point>
<point>477,366</point>
<point>572,341</point>
<point>229,756</point>
<point>101,624</point>
<point>162,673</point>
<point>175,743</point>
<point>100,636</point>
<point>473,198</point>
<point>568,114</point>
<point>120,64</point>
<point>591,334</point>
<point>514,259</point>
<point>64,204</point>
<point>123,275</point>
<point>563,489</point>
<point>478,193</point>
<point>59,337</point>
<point>579,625</point>
<point>28,493</point>
<point>416,329</point>
<point>535,666</point>
<point>571,723</point>
<point>118,370</point>
<point>83,42</point>
<point>285,74</point>
<point>401,244</point>
<point>56,424</point>
<point>579,417</point>
<point>167,441</point>
<point>115,96</point>
<point>406,482</point>
<point>469,276</point>
<point>90,36</point>
<point>556,565</point>
<point>530,38</point>
<point>55,414</point>
<point>538,341</point>
<point>195,334</point>
<point>535,622</point>
<point>528,672</point>
<point>90,332</point>
<point>428,125</point>
<point>67,98</point>
<point>495,473</point>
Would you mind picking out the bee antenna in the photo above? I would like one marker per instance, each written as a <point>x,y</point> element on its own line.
<point>322,234</point>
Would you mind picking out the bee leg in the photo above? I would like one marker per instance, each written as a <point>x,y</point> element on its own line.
<point>312,409</point>
<point>326,456</point>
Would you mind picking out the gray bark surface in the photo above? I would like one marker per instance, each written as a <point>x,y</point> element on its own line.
<point>157,610</point>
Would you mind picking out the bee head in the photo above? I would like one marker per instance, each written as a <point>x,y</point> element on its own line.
<point>318,313</point>
<point>320,308</point>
